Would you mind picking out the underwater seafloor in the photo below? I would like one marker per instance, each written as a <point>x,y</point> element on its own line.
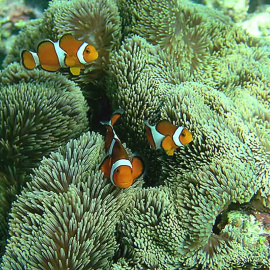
<point>205,207</point>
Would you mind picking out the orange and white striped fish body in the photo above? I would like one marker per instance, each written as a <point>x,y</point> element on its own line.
<point>117,165</point>
<point>49,56</point>
<point>167,136</point>
<point>67,52</point>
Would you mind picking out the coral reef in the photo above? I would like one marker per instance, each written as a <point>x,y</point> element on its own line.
<point>206,207</point>
<point>237,10</point>
<point>37,4</point>
<point>250,15</point>
<point>14,15</point>
<point>258,25</point>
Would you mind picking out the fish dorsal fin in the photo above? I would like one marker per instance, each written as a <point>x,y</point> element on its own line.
<point>119,152</point>
<point>166,128</point>
<point>75,70</point>
<point>106,166</point>
<point>117,113</point>
<point>114,118</point>
<point>109,138</point>
<point>137,167</point>
<point>168,145</point>
<point>47,56</point>
<point>69,44</point>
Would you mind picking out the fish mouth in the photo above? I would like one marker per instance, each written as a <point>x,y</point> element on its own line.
<point>127,183</point>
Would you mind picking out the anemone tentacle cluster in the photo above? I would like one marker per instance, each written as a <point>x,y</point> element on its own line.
<point>39,112</point>
<point>65,217</point>
<point>205,207</point>
<point>221,167</point>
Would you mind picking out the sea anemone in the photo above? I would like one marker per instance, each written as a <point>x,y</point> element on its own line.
<point>39,112</point>
<point>66,217</point>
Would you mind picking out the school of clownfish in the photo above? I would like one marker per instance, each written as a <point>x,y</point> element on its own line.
<point>119,168</point>
<point>117,165</point>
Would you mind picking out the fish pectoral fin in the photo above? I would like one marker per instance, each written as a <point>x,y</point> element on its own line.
<point>168,145</point>
<point>106,166</point>
<point>75,71</point>
<point>70,61</point>
<point>137,167</point>
<point>170,152</point>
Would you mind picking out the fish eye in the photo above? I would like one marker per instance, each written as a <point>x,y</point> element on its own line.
<point>117,170</point>
<point>183,133</point>
<point>87,51</point>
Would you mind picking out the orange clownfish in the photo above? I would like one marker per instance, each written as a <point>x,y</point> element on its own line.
<point>117,165</point>
<point>167,136</point>
<point>66,52</point>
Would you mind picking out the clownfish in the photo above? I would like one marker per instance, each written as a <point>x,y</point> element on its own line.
<point>66,52</point>
<point>167,136</point>
<point>117,166</point>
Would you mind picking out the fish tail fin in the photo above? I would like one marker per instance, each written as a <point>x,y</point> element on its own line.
<point>29,59</point>
<point>110,134</point>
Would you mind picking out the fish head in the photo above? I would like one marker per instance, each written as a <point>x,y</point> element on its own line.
<point>90,53</point>
<point>122,177</point>
<point>185,136</point>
